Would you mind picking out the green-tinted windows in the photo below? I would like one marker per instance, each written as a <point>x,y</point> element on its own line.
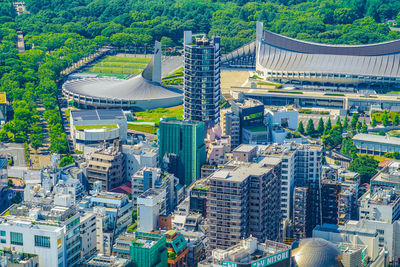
<point>42,241</point>
<point>2,233</point>
<point>16,239</point>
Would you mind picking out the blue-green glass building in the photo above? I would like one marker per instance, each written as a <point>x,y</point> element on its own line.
<point>185,140</point>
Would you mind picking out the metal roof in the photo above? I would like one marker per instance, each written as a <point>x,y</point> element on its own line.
<point>377,139</point>
<point>97,114</point>
<point>280,53</point>
<point>136,88</point>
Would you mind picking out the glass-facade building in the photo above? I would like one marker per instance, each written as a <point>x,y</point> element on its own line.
<point>186,140</point>
<point>202,90</point>
<point>149,250</point>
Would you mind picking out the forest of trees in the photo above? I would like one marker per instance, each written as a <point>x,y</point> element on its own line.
<point>62,32</point>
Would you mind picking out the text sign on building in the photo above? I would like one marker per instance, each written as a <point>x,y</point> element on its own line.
<point>271,259</point>
<point>229,264</point>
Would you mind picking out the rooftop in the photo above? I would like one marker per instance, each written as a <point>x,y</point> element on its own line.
<point>97,114</point>
<point>244,148</point>
<point>391,173</point>
<point>377,139</point>
<point>151,193</point>
<point>96,127</point>
<point>239,171</point>
<point>146,240</point>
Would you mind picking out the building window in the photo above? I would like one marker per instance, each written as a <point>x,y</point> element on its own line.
<point>16,239</point>
<point>3,241</point>
<point>42,241</point>
<point>2,233</point>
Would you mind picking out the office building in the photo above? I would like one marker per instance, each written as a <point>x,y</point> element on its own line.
<point>250,252</point>
<point>149,250</point>
<point>186,140</point>
<point>150,205</point>
<point>244,199</point>
<point>106,165</point>
<point>48,231</point>
<point>202,92</point>
<point>89,128</point>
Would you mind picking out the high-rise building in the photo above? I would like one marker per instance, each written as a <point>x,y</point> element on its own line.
<point>185,139</point>
<point>230,124</point>
<point>243,200</point>
<point>301,212</point>
<point>149,250</point>
<point>202,90</point>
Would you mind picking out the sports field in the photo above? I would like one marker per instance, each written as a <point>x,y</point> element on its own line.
<point>119,66</point>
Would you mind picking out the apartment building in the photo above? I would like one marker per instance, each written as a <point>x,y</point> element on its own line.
<point>202,92</point>
<point>243,200</point>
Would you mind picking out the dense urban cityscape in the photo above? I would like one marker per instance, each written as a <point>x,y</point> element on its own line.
<point>199,133</point>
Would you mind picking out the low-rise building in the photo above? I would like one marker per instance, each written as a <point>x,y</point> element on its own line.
<point>388,177</point>
<point>177,249</point>
<point>106,261</point>
<point>382,205</point>
<point>373,144</point>
<point>51,232</point>
<point>107,165</point>
<point>89,128</point>
<point>113,215</point>
<point>149,250</point>
<point>249,252</point>
<point>151,204</point>
<point>139,156</point>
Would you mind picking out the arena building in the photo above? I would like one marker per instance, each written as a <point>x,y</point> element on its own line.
<point>141,92</point>
<point>279,57</point>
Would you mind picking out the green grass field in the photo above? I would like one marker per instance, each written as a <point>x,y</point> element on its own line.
<point>119,67</point>
<point>156,114</point>
<point>143,128</point>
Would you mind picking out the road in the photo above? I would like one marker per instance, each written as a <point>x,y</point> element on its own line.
<point>20,43</point>
<point>16,151</point>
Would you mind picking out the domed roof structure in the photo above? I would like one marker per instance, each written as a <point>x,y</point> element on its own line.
<point>317,252</point>
<point>140,92</point>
